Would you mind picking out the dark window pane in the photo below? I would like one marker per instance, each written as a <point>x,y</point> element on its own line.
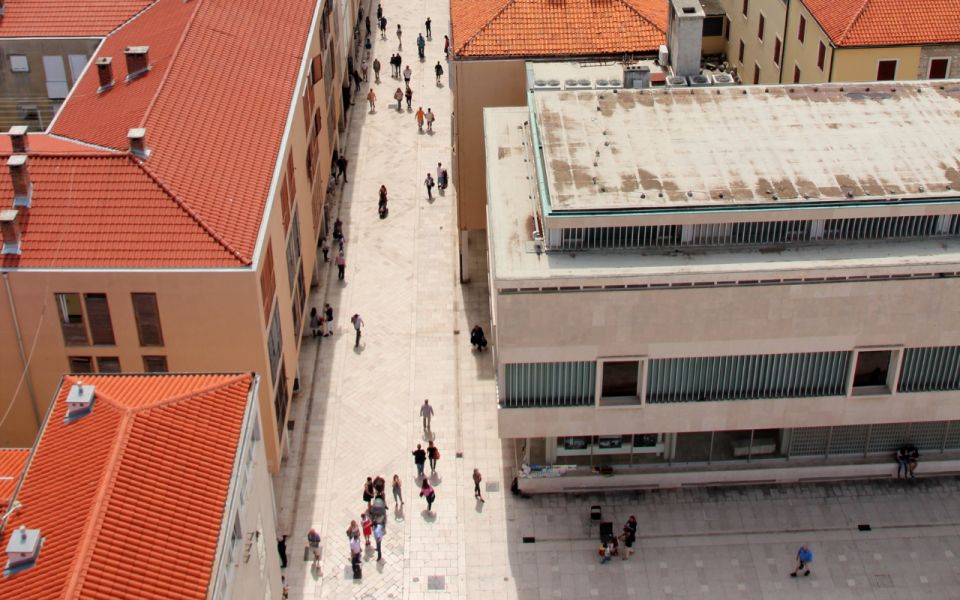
<point>293,250</point>
<point>620,378</point>
<point>155,364</point>
<point>872,368</point>
<point>81,364</point>
<point>98,312</point>
<point>147,314</point>
<point>275,342</point>
<point>886,70</point>
<point>268,282</point>
<point>280,401</point>
<point>108,364</point>
<point>71,319</point>
<point>713,26</point>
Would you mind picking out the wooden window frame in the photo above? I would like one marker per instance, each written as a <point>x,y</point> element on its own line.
<point>138,319</point>
<point>802,29</point>
<point>946,72</point>
<point>71,330</point>
<point>155,357</point>
<point>98,319</point>
<point>70,360</point>
<point>740,54</point>
<point>821,56</point>
<point>268,282</point>
<point>102,359</point>
<point>896,68</point>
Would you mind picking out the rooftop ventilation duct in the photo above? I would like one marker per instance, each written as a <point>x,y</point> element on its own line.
<point>685,36</point>
<point>18,138</point>
<point>22,187</point>
<point>105,73</point>
<point>138,61</point>
<point>636,77</point>
<point>10,230</point>
<point>79,401</point>
<point>138,142</point>
<point>23,548</point>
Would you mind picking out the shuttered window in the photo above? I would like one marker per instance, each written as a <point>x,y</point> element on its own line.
<point>81,364</point>
<point>293,251</point>
<point>316,69</point>
<point>71,319</point>
<point>275,343</point>
<point>285,204</point>
<point>147,314</point>
<point>108,364</point>
<point>933,369</point>
<point>155,364</point>
<point>268,282</point>
<point>534,385</point>
<point>98,313</point>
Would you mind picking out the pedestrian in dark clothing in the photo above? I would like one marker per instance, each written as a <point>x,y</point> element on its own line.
<point>476,485</point>
<point>629,536</point>
<point>356,81</point>
<point>341,265</point>
<point>409,96</point>
<point>438,70</point>
<point>328,314</point>
<point>383,28</point>
<point>315,322</point>
<point>342,168</point>
<point>338,224</point>
<point>399,64</point>
<point>427,492</point>
<point>368,492</point>
<point>433,453</point>
<point>446,47</point>
<point>421,44</point>
<point>429,32</point>
<point>477,338</point>
<point>368,25</point>
<point>393,65</point>
<point>376,69</point>
<point>804,558</point>
<point>382,203</point>
<point>325,248</point>
<point>429,183</point>
<point>399,37</point>
<point>444,179</point>
<point>358,326</point>
<point>282,551</point>
<point>313,540</point>
<point>397,491</point>
<point>419,459</point>
<point>379,12</point>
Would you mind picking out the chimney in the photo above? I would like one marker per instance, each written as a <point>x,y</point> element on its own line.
<point>18,136</point>
<point>79,401</point>
<point>10,228</point>
<point>138,142</point>
<point>105,71</point>
<point>3,7</point>
<point>685,36</point>
<point>23,548</point>
<point>138,61</point>
<point>22,188</point>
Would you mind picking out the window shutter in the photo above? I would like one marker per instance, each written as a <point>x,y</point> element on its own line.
<point>316,69</point>
<point>285,204</point>
<point>148,319</point>
<point>155,364</point>
<point>108,364</point>
<point>98,314</point>
<point>267,283</point>
<point>81,364</point>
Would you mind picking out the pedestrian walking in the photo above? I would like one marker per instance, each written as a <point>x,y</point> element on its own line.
<point>433,454</point>
<point>446,47</point>
<point>284,588</point>
<point>316,324</point>
<point>407,74</point>
<point>372,99</point>
<point>427,492</point>
<point>438,71</point>
<point>328,317</point>
<point>399,64</point>
<point>409,96</point>
<point>427,25</point>
<point>804,558</point>
<point>629,536</point>
<point>398,96</point>
<point>358,326</point>
<point>397,492</point>
<point>477,339</point>
<point>282,550</point>
<point>382,202</point>
<point>429,183</point>
<point>426,411</point>
<point>379,12</point>
<point>368,491</point>
<point>378,534</point>
<point>367,527</point>
<point>376,70</point>
<point>353,531</point>
<point>383,28</point>
<point>421,44</point>
<point>341,265</point>
<point>313,541</point>
<point>342,167</point>
<point>443,180</point>
<point>325,248</point>
<point>476,485</point>
<point>420,117</point>
<point>355,550</point>
<point>356,82</point>
<point>399,37</point>
<point>368,25</point>
<point>419,459</point>
<point>363,69</point>
<point>430,119</point>
<point>393,66</point>
<point>338,232</point>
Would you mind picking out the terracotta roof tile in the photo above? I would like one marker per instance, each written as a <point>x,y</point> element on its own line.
<point>498,28</point>
<point>130,498</point>
<point>56,18</point>
<point>888,22</point>
<point>12,461</point>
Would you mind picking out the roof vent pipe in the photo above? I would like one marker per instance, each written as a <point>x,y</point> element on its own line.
<point>22,188</point>
<point>10,230</point>
<point>18,137</point>
<point>138,61</point>
<point>105,72</point>
<point>138,142</point>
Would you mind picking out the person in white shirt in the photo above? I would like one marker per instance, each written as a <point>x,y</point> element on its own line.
<point>358,325</point>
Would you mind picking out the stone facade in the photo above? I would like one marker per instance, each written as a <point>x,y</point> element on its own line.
<point>951,52</point>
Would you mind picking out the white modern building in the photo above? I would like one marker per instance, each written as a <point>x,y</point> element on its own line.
<point>726,284</point>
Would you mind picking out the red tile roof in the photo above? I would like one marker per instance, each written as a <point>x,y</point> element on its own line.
<point>75,18</point>
<point>215,106</point>
<point>888,22</point>
<point>12,461</point>
<point>130,498</point>
<point>528,28</point>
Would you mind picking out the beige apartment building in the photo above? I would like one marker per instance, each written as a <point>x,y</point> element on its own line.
<point>679,298</point>
<point>816,41</point>
<point>167,218</point>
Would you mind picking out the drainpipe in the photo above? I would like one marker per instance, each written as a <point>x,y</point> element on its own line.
<point>23,355</point>
<point>786,36</point>
<point>833,55</point>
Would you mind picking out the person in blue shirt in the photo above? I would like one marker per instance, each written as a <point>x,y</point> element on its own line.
<point>804,558</point>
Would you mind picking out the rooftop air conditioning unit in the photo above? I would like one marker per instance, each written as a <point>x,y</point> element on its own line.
<point>547,84</point>
<point>577,84</point>
<point>700,81</point>
<point>723,79</point>
<point>609,84</point>
<point>675,81</point>
<point>636,77</point>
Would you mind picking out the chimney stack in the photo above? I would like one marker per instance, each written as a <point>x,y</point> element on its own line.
<point>10,228</point>
<point>18,136</point>
<point>79,401</point>
<point>138,61</point>
<point>138,142</point>
<point>685,36</point>
<point>105,71</point>
<point>22,187</point>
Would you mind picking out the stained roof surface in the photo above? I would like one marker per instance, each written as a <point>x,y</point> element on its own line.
<point>669,149</point>
<point>529,28</point>
<point>214,104</point>
<point>12,461</point>
<point>888,22</point>
<point>130,498</point>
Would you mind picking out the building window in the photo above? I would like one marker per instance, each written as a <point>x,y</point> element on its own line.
<point>285,204</point>
<point>742,50</point>
<point>821,56</point>
<point>777,45</point>
<point>726,28</point>
<point>81,364</point>
<point>293,250</point>
<point>939,68</point>
<point>155,364</point>
<point>746,7</point>
<point>756,73</point>
<point>621,382</point>
<point>549,385</point>
<point>713,26</point>
<point>802,29</point>
<point>108,364</point>
<point>147,315</point>
<point>98,314</point>
<point>280,400</point>
<point>299,298</point>
<point>77,63</point>
<point>19,63</point>
<point>268,281</point>
<point>886,70</point>
<point>71,319</point>
<point>932,369</point>
<point>761,26</point>
<point>56,76</point>
<point>872,371</point>
<point>275,343</point>
<point>796,73</point>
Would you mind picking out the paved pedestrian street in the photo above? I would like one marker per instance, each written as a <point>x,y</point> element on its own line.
<point>356,415</point>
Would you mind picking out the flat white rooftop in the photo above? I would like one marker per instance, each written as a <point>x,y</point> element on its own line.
<point>712,146</point>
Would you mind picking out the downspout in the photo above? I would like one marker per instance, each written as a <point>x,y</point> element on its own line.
<point>23,355</point>
<point>786,36</point>
<point>833,55</point>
